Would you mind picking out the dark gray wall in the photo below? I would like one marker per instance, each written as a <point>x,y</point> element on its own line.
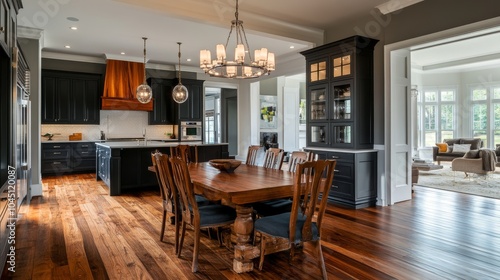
<point>427,17</point>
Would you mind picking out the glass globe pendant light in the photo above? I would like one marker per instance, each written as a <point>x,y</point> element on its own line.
<point>180,92</point>
<point>144,92</point>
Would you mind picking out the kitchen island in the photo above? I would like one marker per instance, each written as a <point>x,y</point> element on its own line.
<point>124,165</point>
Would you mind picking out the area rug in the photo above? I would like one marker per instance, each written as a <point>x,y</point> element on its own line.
<point>446,179</point>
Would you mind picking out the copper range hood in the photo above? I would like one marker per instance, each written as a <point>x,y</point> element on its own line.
<point>120,84</point>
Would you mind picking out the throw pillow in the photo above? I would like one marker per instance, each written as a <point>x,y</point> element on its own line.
<point>461,148</point>
<point>472,154</point>
<point>443,147</point>
<point>475,143</point>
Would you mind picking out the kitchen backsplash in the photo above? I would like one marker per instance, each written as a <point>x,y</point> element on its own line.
<point>114,124</point>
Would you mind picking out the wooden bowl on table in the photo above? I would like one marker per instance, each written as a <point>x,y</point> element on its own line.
<point>226,165</point>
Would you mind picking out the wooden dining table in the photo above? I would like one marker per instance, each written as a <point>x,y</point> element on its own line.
<point>246,185</point>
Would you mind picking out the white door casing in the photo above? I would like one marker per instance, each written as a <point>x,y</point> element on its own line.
<point>398,119</point>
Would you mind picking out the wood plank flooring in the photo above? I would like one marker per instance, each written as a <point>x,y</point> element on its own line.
<point>77,231</point>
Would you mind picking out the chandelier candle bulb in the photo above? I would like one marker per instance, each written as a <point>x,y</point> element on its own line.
<point>239,54</point>
<point>221,53</point>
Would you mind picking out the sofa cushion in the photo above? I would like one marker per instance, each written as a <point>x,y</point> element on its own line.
<point>475,143</point>
<point>472,154</point>
<point>443,147</point>
<point>451,142</point>
<point>461,148</point>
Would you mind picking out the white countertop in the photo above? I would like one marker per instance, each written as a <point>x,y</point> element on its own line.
<point>152,144</point>
<point>340,150</point>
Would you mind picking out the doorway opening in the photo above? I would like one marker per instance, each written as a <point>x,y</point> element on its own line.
<point>221,118</point>
<point>397,173</point>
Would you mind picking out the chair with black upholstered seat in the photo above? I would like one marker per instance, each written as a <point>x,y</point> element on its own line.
<point>282,205</point>
<point>253,151</point>
<point>297,157</point>
<point>312,180</point>
<point>168,192</point>
<point>274,158</point>
<point>199,217</point>
<point>184,152</point>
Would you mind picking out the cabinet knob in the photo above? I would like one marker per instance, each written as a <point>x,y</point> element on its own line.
<point>56,162</point>
<point>335,186</point>
<point>2,29</point>
<point>336,171</point>
<point>57,146</point>
<point>335,157</point>
<point>57,153</point>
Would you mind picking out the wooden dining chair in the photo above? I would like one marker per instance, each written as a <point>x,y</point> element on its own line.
<point>168,193</point>
<point>312,182</point>
<point>274,158</point>
<point>297,157</point>
<point>199,217</point>
<point>184,151</point>
<point>253,151</point>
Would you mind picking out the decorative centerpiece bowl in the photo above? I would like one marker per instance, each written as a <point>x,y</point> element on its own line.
<point>226,165</point>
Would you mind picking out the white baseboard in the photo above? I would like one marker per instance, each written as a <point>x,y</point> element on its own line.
<point>36,190</point>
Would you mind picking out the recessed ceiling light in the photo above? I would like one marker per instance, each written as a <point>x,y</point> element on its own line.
<point>72,19</point>
<point>73,28</point>
<point>292,47</point>
<point>68,46</point>
<point>188,60</point>
<point>122,53</point>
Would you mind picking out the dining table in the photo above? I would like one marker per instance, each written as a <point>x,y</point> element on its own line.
<point>247,184</point>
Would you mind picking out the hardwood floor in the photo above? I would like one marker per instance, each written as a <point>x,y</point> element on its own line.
<point>77,231</point>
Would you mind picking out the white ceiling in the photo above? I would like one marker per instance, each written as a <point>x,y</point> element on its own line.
<point>109,27</point>
<point>114,26</point>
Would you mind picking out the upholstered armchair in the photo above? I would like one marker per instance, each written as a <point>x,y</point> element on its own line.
<point>475,161</point>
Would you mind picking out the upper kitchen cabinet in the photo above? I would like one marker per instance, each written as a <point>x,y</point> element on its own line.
<point>85,93</point>
<point>192,109</point>
<point>164,107</point>
<point>340,94</point>
<point>70,98</point>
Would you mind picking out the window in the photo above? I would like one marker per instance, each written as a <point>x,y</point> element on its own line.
<point>437,116</point>
<point>485,113</point>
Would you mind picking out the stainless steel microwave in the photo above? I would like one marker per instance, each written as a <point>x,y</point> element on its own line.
<point>191,131</point>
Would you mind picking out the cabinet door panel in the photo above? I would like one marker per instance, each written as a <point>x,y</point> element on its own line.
<point>63,103</point>
<point>49,100</point>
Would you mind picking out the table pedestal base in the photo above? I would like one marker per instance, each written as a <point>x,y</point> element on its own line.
<point>244,252</point>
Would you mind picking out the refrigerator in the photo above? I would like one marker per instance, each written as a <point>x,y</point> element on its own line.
<point>23,130</point>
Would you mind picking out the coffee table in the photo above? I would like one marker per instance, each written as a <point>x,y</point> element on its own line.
<point>426,166</point>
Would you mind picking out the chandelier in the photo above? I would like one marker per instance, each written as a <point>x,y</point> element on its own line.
<point>144,92</point>
<point>243,66</point>
<point>180,92</point>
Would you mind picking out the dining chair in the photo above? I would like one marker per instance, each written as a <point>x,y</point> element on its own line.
<point>312,182</point>
<point>184,151</point>
<point>168,192</point>
<point>253,151</point>
<point>199,217</point>
<point>274,158</point>
<point>297,157</point>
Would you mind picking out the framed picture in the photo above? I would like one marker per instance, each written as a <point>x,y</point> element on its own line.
<point>268,111</point>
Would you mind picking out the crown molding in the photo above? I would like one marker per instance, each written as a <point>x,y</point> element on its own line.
<point>29,32</point>
<point>395,5</point>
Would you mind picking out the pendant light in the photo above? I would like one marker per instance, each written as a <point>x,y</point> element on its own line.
<point>180,92</point>
<point>144,92</point>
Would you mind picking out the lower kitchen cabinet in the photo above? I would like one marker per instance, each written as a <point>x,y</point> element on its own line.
<point>355,181</point>
<point>59,158</point>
